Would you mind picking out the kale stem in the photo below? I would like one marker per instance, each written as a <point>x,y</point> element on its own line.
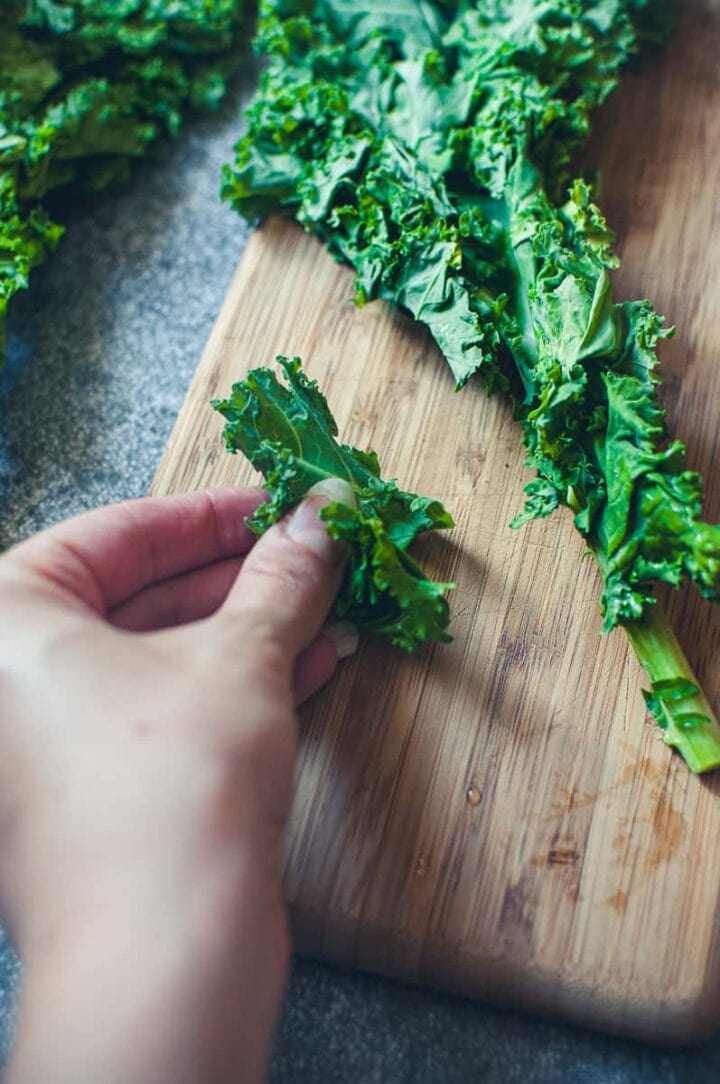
<point>690,725</point>
<point>676,701</point>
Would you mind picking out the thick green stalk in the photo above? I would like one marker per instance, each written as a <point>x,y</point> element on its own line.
<point>677,702</point>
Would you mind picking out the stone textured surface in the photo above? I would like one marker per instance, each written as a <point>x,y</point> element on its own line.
<point>101,352</point>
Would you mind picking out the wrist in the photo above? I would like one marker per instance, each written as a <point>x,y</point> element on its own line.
<point>170,991</point>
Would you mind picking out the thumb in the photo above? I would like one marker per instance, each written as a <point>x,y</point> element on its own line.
<point>291,577</point>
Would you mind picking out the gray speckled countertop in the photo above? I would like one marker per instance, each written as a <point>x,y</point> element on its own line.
<point>101,352</point>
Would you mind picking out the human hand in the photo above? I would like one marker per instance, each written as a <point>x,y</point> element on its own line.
<point>151,655</point>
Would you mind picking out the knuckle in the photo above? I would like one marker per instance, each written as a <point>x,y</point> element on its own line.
<point>252,634</point>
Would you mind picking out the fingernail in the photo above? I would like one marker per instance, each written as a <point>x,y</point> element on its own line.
<point>305,525</point>
<point>335,489</point>
<point>345,637</point>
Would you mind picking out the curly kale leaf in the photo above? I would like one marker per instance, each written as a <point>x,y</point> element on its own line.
<point>288,433</point>
<point>392,145</point>
<point>591,416</point>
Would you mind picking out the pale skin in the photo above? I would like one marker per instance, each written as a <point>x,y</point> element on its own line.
<point>152,655</point>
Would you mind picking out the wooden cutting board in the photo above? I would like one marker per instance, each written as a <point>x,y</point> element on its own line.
<point>499,817</point>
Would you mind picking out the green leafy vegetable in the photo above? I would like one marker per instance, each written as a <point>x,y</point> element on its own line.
<point>429,142</point>
<point>288,433</point>
<point>85,87</point>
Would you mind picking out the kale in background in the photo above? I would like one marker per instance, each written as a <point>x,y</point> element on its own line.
<point>86,86</point>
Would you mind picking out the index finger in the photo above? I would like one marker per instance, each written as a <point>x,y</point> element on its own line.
<point>106,556</point>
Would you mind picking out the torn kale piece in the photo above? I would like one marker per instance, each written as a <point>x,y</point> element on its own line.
<point>288,433</point>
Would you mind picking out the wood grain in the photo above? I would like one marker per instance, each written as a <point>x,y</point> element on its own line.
<point>498,816</point>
